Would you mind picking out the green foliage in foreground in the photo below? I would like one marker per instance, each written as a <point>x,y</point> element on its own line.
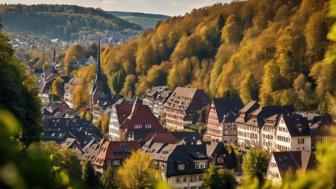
<point>25,168</point>
<point>219,178</point>
<point>18,93</point>
<point>255,164</point>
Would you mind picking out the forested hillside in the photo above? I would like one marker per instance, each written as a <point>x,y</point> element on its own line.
<point>143,19</point>
<point>269,50</point>
<point>60,21</point>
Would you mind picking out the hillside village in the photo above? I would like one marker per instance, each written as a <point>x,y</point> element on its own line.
<point>183,130</point>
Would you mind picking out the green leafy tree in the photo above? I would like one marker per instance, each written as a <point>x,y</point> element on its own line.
<point>18,93</point>
<point>255,165</point>
<point>219,178</point>
<point>25,168</point>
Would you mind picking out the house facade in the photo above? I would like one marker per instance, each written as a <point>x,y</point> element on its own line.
<point>268,133</point>
<point>132,122</point>
<point>293,134</point>
<point>182,165</point>
<point>155,99</point>
<point>68,88</point>
<point>221,117</point>
<point>182,107</point>
<point>256,124</point>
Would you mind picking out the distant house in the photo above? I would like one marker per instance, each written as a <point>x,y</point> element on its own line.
<point>282,162</point>
<point>90,61</point>
<point>155,99</point>
<point>68,89</point>
<point>293,134</point>
<point>103,107</point>
<point>221,118</point>
<point>183,106</point>
<point>44,81</point>
<point>58,109</point>
<point>252,118</point>
<point>132,122</point>
<point>113,153</point>
<point>72,132</point>
<point>320,127</point>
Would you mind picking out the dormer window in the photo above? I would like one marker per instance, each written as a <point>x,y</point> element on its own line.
<point>181,166</point>
<point>200,165</point>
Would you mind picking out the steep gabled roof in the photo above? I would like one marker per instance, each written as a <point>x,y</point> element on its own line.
<point>227,108</point>
<point>115,150</point>
<point>143,116</point>
<point>296,125</point>
<point>249,106</point>
<point>294,160</point>
<point>187,99</point>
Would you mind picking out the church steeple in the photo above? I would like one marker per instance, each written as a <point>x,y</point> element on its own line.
<point>98,69</point>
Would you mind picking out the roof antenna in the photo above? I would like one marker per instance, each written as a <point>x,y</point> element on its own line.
<point>133,108</point>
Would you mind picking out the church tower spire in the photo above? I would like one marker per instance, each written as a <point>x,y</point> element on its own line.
<point>98,69</point>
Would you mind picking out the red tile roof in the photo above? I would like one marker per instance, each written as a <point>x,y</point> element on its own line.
<point>143,116</point>
<point>115,150</point>
<point>161,138</point>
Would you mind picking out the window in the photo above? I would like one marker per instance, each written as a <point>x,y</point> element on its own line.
<point>193,178</point>
<point>200,165</point>
<point>180,167</point>
<point>301,140</point>
<point>178,179</point>
<point>116,162</point>
<point>148,126</point>
<point>273,165</point>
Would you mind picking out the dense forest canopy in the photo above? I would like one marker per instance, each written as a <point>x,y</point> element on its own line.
<point>268,50</point>
<point>60,21</point>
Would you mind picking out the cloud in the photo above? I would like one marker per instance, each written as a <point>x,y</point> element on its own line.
<point>169,7</point>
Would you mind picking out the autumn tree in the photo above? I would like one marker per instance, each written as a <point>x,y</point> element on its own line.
<point>73,54</point>
<point>138,171</point>
<point>232,31</point>
<point>107,178</point>
<point>57,87</point>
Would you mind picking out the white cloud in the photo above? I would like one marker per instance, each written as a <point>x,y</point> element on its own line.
<point>169,7</point>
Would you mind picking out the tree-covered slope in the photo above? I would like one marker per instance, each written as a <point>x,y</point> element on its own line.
<point>143,19</point>
<point>60,21</point>
<point>273,51</point>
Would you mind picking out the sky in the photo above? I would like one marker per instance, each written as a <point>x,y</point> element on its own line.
<point>166,7</point>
